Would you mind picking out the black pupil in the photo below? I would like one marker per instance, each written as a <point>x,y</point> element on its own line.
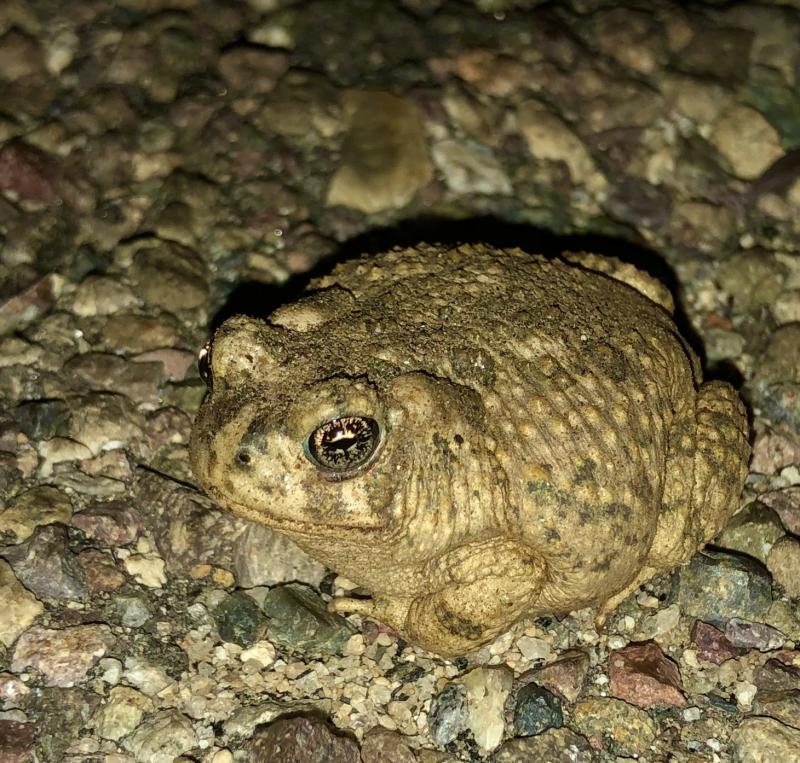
<point>344,443</point>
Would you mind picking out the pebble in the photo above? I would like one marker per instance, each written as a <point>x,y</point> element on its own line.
<point>784,564</point>
<point>111,523</point>
<point>752,531</point>
<point>32,304</point>
<point>532,648</point>
<point>300,739</point>
<point>17,740</point>
<point>566,676</point>
<point>102,295</point>
<point>554,746</point>
<point>763,740</point>
<point>100,571</point>
<point>716,586</point>
<point>748,635</point>
<point>20,606</point>
<point>615,725</point>
<point>121,713</point>
<point>487,692</point>
<point>643,676</point>
<point>470,167</point>
<point>239,620</point>
<point>63,657</point>
<point>45,565</point>
<point>139,381</point>
<point>20,56</point>
<point>102,421</point>
<point>748,142</point>
<point>146,569</point>
<point>298,619</point>
<point>384,746</point>
<point>385,159</point>
<point>549,138</point>
<point>161,738</point>
<point>774,449</point>
<point>447,718</point>
<point>753,279</point>
<point>536,710</point>
<point>39,506</point>
<point>132,611</point>
<point>251,69</point>
<point>29,173</point>
<point>711,643</point>
<point>261,652</point>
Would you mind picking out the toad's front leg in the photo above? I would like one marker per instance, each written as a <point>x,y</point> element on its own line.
<point>476,591</point>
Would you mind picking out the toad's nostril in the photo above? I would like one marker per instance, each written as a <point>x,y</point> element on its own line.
<point>243,457</point>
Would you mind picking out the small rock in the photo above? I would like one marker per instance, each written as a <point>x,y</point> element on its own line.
<point>643,676</point>
<point>487,692</point>
<point>252,69</point>
<point>711,643</point>
<point>148,678</point>
<point>239,620</point>
<point>536,710</point>
<point>102,295</point>
<point>133,612</point>
<point>42,419</point>
<point>162,738</point>
<point>39,506</point>
<point>470,168</point>
<point>784,564</point>
<point>611,723</point>
<point>100,571</point>
<point>113,523</point>
<point>17,741</point>
<point>299,620</point>
<point>385,155</point>
<point>175,363</point>
<point>29,173</point>
<point>534,648</point>
<point>566,676</point>
<point>20,56</point>
<point>748,635</point>
<point>747,141</point>
<point>715,586</point>
<point>168,275</point>
<point>553,746</point>
<point>262,652</point>
<point>752,531</point>
<point>20,607</point>
<point>783,706</point>
<point>763,740</point>
<point>774,449</point>
<point>112,373</point>
<point>383,746</point>
<point>32,304</point>
<point>752,278</point>
<point>45,565</point>
<point>64,657</point>
<point>130,333</point>
<point>102,421</point>
<point>297,740</point>
<point>549,138</point>
<point>122,713</point>
<point>776,675</point>
<point>448,715</point>
<point>147,569</point>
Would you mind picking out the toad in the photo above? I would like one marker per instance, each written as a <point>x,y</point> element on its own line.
<point>473,435</point>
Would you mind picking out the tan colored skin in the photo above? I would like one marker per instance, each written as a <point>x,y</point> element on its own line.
<point>547,443</point>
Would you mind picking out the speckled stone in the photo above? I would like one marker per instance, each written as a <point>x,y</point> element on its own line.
<point>784,564</point>
<point>642,675</point>
<point>301,740</point>
<point>239,620</point>
<point>714,587</point>
<point>553,746</point>
<point>711,643</point>
<point>448,714</point>
<point>64,657</point>
<point>298,619</point>
<point>383,746</point>
<point>536,710</point>
<point>764,740</point>
<point>752,531</point>
<point>20,607</point>
<point>620,728</point>
<point>565,676</point>
<point>43,505</point>
<point>161,738</point>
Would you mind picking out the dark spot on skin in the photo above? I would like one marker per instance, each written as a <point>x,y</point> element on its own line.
<point>552,534</point>
<point>602,565</point>
<point>629,539</point>
<point>585,471</point>
<point>476,493</point>
<point>443,446</point>
<point>584,516</point>
<point>538,487</point>
<point>458,439</point>
<point>243,458</point>
<point>458,625</point>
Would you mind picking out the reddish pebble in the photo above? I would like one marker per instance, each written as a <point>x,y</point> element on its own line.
<point>643,675</point>
<point>711,643</point>
<point>29,173</point>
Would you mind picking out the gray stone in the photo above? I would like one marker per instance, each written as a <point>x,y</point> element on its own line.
<point>536,710</point>
<point>239,620</point>
<point>448,715</point>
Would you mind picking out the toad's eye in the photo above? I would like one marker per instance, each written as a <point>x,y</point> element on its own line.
<point>204,364</point>
<point>344,444</point>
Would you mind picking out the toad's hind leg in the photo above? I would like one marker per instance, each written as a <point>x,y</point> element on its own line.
<point>705,472</point>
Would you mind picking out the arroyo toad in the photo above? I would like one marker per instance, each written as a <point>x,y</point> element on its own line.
<point>474,435</point>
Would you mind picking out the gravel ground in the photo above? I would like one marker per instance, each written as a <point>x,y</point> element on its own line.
<point>166,163</point>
